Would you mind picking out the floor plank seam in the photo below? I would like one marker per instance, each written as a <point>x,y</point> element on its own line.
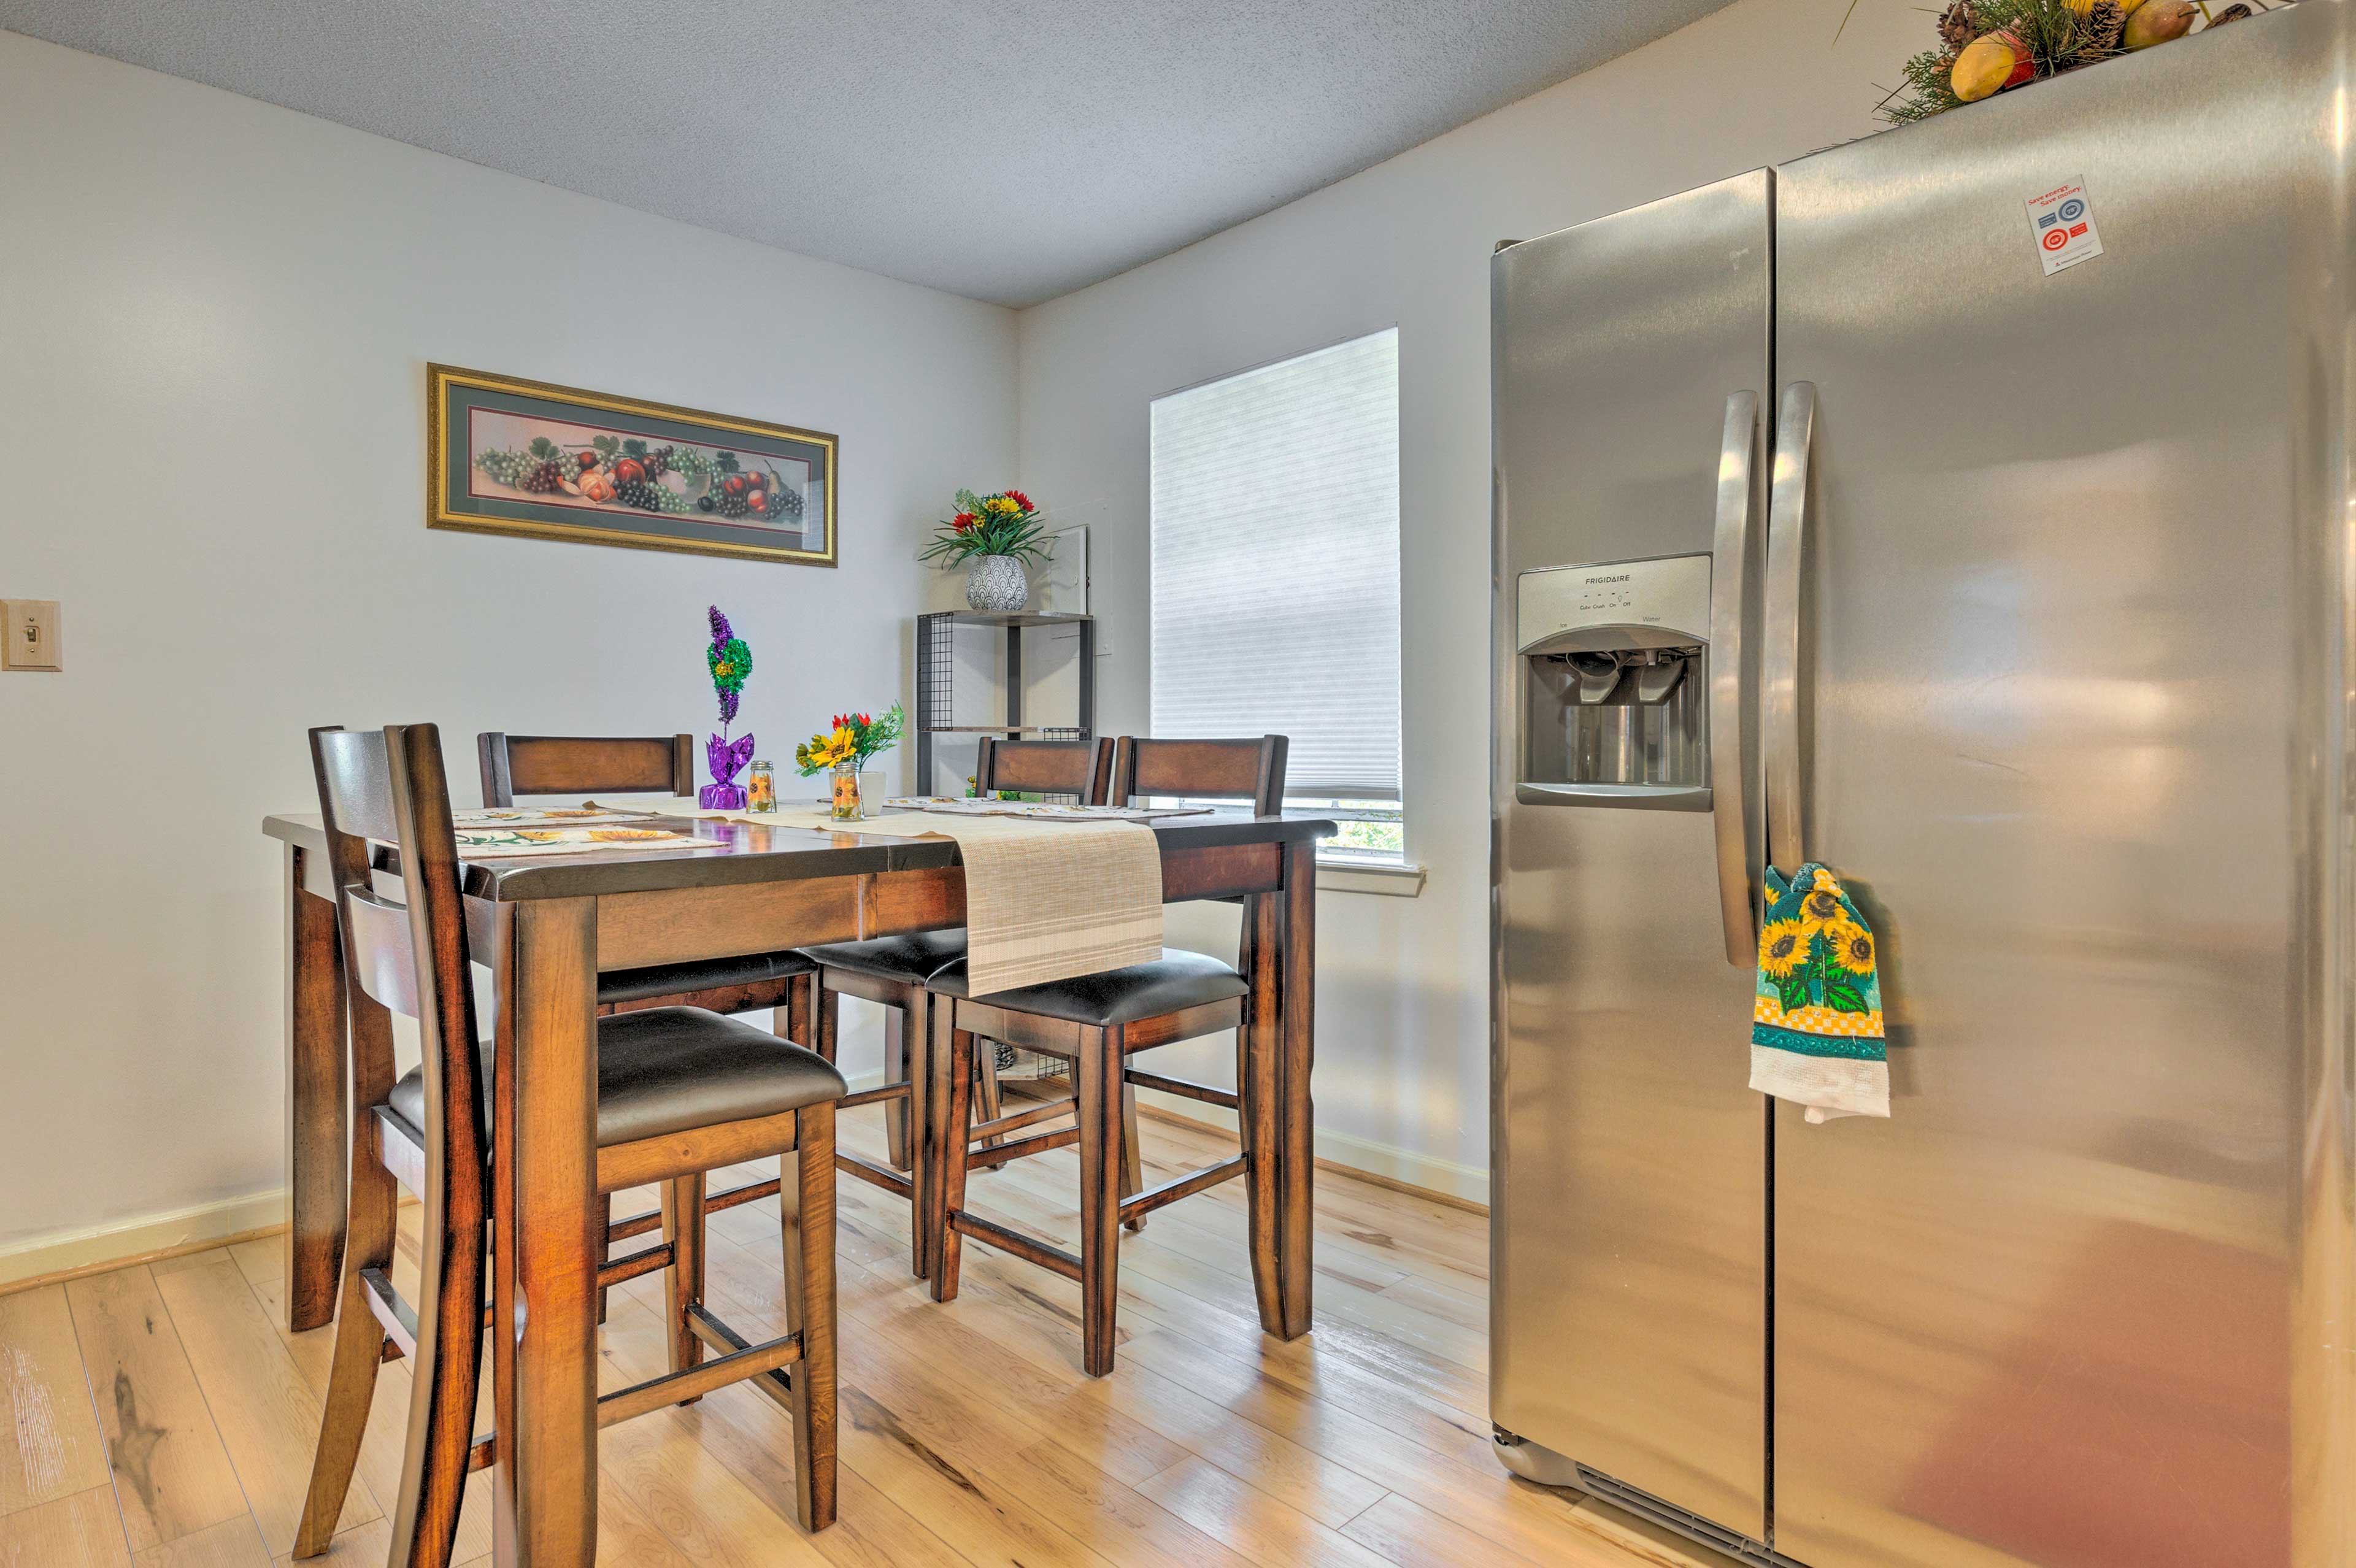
<point>97,1419</point>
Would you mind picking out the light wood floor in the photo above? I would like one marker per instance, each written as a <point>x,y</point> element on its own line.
<point>159,1414</point>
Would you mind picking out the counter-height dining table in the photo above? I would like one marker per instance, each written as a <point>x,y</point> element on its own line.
<point>547,925</point>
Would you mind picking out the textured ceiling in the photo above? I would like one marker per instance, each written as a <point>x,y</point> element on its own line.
<point>1009,150</point>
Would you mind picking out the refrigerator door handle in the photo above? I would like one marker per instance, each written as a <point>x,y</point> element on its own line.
<point>1787,523</point>
<point>1733,781</point>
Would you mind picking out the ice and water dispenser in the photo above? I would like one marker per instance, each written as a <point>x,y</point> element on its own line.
<point>1615,684</point>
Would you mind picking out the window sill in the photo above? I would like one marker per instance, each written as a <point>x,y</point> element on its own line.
<point>1401,880</point>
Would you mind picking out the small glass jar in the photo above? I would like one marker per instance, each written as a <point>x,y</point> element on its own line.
<point>762,788</point>
<point>846,790</point>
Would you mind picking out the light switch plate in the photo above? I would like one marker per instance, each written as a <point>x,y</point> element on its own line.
<point>31,640</point>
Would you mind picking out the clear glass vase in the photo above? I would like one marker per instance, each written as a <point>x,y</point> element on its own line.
<point>846,792</point>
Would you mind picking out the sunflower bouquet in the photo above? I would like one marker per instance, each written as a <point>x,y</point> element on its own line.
<point>1816,952</point>
<point>854,738</point>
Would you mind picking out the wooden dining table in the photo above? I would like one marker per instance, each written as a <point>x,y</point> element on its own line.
<point>547,925</point>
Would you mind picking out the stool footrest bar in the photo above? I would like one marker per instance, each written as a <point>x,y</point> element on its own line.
<point>751,1192</point>
<point>655,1257</point>
<point>1029,1250</point>
<point>398,1318</point>
<point>1186,1185</point>
<point>1184,1088</point>
<point>777,1384</point>
<point>675,1388</point>
<point>1038,1143</point>
<point>890,1180</point>
<point>996,1126</point>
<point>635,1225</point>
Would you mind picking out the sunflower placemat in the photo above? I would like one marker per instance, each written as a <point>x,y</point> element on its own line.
<point>1815,1017</point>
<point>504,842</point>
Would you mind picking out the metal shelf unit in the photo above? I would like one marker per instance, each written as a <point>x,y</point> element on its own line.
<point>936,676</point>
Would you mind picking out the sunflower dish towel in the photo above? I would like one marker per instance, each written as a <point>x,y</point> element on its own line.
<point>1815,1022</point>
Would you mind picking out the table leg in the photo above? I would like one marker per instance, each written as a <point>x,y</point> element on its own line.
<point>1297,1157</point>
<point>318,1149</point>
<point>1256,1061</point>
<point>923,1135</point>
<point>544,1294</point>
<point>898,1025</point>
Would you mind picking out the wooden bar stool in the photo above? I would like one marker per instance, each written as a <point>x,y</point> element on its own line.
<point>891,971</point>
<point>682,1091</point>
<point>579,766</point>
<point>1098,1022</point>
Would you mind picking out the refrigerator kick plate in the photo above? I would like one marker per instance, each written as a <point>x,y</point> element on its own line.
<point>1543,1466</point>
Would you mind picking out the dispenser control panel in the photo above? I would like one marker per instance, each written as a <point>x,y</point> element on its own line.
<point>1623,604</point>
<point>1606,593</point>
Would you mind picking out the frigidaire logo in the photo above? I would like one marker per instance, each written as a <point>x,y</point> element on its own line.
<point>1621,578</point>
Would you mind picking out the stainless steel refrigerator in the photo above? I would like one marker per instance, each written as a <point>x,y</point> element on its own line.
<point>1844,514</point>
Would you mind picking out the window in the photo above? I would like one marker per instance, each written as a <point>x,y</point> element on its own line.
<point>1276,576</point>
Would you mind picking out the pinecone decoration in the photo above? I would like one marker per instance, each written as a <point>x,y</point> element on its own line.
<point>2106,20</point>
<point>545,479</point>
<point>1958,25</point>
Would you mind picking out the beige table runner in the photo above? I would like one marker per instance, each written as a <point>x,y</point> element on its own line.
<point>1044,900</point>
<point>1047,901</point>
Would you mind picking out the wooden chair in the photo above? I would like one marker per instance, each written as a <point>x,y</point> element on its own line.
<point>891,971</point>
<point>579,766</point>
<point>681,1091</point>
<point>1097,1022</point>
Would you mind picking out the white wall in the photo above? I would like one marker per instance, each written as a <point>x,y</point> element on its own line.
<point>1402,1077</point>
<point>215,318</point>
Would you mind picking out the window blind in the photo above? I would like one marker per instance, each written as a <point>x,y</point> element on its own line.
<point>1276,564</point>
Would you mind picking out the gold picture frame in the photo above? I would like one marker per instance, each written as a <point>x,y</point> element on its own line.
<point>543,461</point>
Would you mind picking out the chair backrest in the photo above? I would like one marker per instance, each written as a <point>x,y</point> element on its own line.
<point>1079,768</point>
<point>1203,769</point>
<point>584,765</point>
<point>409,956</point>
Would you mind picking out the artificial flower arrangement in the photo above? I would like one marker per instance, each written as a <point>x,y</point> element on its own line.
<point>1004,524</point>
<point>730,662</point>
<point>847,748</point>
<point>1987,45</point>
<point>854,738</point>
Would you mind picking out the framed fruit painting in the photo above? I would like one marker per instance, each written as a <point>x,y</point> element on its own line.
<point>509,457</point>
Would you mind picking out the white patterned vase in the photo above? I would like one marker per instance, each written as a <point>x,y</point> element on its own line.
<point>997,584</point>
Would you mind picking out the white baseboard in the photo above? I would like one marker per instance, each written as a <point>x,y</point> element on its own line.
<point>1393,1164</point>
<point>1467,1183</point>
<point>187,1229</point>
<point>181,1230</point>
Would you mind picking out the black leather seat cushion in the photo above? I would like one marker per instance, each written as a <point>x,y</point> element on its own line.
<point>667,1070</point>
<point>913,959</point>
<point>1173,983</point>
<point>704,974</point>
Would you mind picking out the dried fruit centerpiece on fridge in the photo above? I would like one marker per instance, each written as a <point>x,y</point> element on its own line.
<point>1988,46</point>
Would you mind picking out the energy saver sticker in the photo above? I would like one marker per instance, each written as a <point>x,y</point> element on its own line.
<point>2063,223</point>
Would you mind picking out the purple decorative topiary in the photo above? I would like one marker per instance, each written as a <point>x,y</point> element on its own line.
<point>730,662</point>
